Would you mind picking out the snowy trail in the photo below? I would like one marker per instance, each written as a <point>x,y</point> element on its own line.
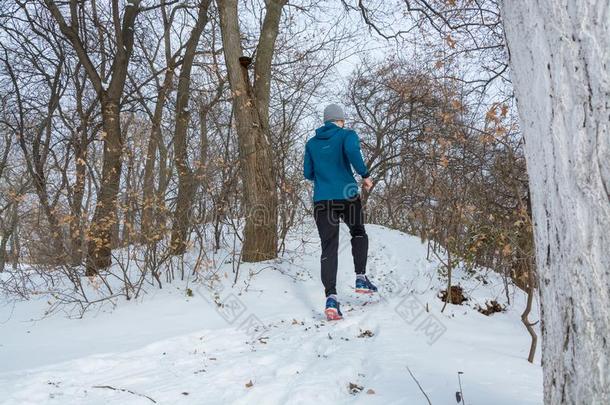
<point>298,358</point>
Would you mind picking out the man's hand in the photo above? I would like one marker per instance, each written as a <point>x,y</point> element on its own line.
<point>367,184</point>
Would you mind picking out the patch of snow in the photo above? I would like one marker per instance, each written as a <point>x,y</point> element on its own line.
<point>269,342</point>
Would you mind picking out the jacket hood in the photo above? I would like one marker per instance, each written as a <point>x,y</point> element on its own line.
<point>327,130</point>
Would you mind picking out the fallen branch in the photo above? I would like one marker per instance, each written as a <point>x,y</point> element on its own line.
<point>124,390</point>
<point>418,384</point>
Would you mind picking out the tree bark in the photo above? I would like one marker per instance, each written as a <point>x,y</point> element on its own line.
<point>250,106</point>
<point>560,62</point>
<point>100,234</point>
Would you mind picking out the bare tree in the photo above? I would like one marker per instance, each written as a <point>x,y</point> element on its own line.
<point>153,225</point>
<point>559,53</point>
<point>110,94</point>
<point>251,109</point>
<point>34,140</point>
<point>186,177</point>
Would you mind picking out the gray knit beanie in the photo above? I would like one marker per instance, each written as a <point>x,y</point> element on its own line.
<point>333,112</point>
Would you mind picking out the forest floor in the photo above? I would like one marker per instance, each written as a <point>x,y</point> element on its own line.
<point>264,340</point>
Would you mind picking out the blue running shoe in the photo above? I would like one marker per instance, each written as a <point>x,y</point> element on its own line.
<point>364,285</point>
<point>332,311</point>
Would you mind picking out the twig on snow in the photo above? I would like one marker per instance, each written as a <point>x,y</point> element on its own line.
<point>124,390</point>
<point>419,385</point>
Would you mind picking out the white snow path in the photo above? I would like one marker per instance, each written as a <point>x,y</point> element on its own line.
<point>179,350</point>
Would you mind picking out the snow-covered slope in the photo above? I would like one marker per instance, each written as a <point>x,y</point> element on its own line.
<point>268,343</point>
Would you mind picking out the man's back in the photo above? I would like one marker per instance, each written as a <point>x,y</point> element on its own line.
<point>328,157</point>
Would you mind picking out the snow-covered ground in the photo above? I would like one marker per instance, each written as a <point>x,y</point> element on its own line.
<point>265,340</point>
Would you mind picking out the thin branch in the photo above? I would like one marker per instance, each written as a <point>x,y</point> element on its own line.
<point>419,385</point>
<point>124,390</point>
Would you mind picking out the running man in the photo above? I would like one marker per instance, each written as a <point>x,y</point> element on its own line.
<point>329,158</point>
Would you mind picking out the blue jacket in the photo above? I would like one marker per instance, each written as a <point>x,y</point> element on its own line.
<point>328,156</point>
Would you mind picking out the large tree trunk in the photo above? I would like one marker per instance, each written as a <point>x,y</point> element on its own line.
<point>560,61</point>
<point>251,105</point>
<point>105,217</point>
